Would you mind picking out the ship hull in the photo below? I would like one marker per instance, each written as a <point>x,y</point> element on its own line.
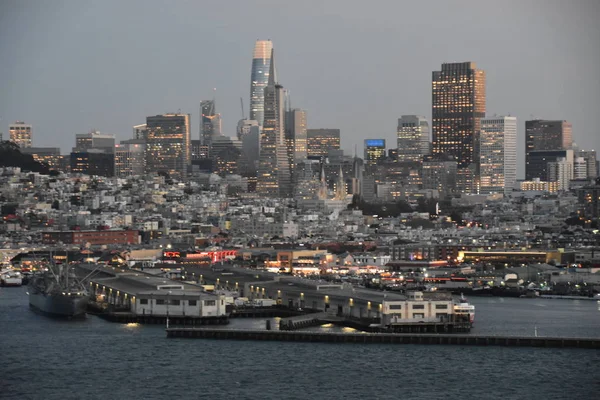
<point>59,305</point>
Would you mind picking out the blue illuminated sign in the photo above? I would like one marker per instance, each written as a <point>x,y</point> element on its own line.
<point>375,142</point>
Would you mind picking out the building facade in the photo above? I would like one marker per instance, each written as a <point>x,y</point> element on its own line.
<point>321,141</point>
<point>561,171</point>
<point>20,134</point>
<point>413,138</point>
<point>130,158</point>
<point>168,144</point>
<point>273,178</point>
<point>439,173</point>
<point>93,162</point>
<point>458,104</point>
<point>591,161</point>
<point>210,126</point>
<point>101,237</point>
<point>498,154</point>
<point>259,78</point>
<point>537,162</point>
<point>47,155</point>
<point>94,140</point>
<point>295,131</point>
<point>248,132</point>
<point>374,152</point>
<point>545,135</point>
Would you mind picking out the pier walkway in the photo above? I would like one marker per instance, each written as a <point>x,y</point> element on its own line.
<point>308,320</point>
<point>387,338</point>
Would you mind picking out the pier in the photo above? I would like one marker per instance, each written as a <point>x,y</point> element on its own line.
<point>308,320</point>
<point>384,338</point>
<point>128,318</point>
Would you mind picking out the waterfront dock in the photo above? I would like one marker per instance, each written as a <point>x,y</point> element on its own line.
<point>383,338</point>
<point>128,318</point>
<point>308,320</point>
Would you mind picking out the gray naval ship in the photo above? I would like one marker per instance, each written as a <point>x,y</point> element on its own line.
<point>57,292</point>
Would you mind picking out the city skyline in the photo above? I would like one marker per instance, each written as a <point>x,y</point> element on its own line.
<point>113,97</point>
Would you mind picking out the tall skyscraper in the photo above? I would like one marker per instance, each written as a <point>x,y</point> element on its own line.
<point>210,127</point>
<point>321,141</point>
<point>259,78</point>
<point>498,154</point>
<point>295,138</point>
<point>248,132</point>
<point>168,144</point>
<point>374,151</point>
<point>413,138</point>
<point>20,134</point>
<point>273,179</point>
<point>295,130</point>
<point>458,104</point>
<point>545,135</point>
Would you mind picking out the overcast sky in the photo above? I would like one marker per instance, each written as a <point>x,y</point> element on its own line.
<point>69,66</point>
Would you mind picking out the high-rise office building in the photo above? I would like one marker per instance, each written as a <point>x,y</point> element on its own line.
<point>590,158</point>
<point>248,132</point>
<point>537,162</point>
<point>413,138</point>
<point>498,154</point>
<point>321,141</point>
<point>259,78</point>
<point>295,131</point>
<point>168,144</point>
<point>93,162</point>
<point>374,151</point>
<point>130,158</point>
<point>579,168</point>
<point>20,134</point>
<point>545,135</point>
<point>458,104</point>
<point>210,126</point>
<point>138,131</point>
<point>439,173</point>
<point>94,140</point>
<point>47,155</point>
<point>561,171</point>
<point>273,179</point>
<point>227,156</point>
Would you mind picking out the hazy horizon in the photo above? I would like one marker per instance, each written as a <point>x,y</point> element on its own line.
<point>72,66</point>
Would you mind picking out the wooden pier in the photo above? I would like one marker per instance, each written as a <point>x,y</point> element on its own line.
<point>383,338</point>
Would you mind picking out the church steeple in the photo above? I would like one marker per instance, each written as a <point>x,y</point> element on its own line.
<point>340,188</point>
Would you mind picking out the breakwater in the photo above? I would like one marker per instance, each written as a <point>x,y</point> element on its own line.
<point>387,338</point>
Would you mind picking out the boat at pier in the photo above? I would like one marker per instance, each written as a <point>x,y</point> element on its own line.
<point>57,292</point>
<point>463,307</point>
